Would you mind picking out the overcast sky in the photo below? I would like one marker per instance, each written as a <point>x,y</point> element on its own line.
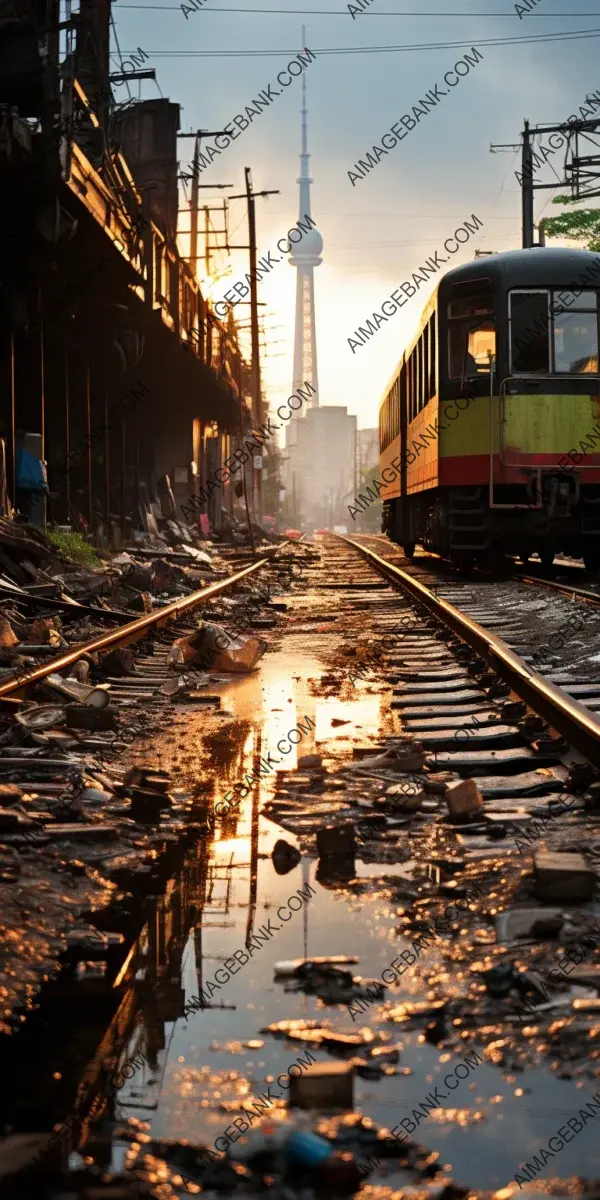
<point>377,232</point>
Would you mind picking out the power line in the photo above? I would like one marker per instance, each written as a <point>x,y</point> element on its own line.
<point>315,12</point>
<point>573,35</point>
<point>396,216</point>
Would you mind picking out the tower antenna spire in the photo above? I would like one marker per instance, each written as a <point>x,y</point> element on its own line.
<point>305,256</point>
<point>304,153</point>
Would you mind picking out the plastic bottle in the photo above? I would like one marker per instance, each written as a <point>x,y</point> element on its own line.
<point>334,1172</point>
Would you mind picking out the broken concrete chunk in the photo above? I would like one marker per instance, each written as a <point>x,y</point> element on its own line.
<point>336,841</point>
<point>463,798</point>
<point>285,856</point>
<point>118,662</point>
<point>403,800</point>
<point>563,876</point>
<point>309,762</point>
<point>528,922</point>
<point>148,804</point>
<point>324,1086</point>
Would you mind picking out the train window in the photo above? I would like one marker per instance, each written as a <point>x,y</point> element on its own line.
<point>470,306</point>
<point>559,337</point>
<point>396,407</point>
<point>432,345</point>
<point>576,343</point>
<point>578,300</point>
<point>471,336</point>
<point>529,319</point>
<point>402,393</point>
<point>425,366</point>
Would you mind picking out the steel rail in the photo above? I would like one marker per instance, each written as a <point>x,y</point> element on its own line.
<point>576,593</point>
<point>553,585</point>
<point>564,715</point>
<point>124,634</point>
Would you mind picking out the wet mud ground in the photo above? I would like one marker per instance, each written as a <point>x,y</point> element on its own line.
<point>535,1074</point>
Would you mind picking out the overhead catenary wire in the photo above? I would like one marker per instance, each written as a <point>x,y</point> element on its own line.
<point>565,35</point>
<point>118,53</point>
<point>316,12</point>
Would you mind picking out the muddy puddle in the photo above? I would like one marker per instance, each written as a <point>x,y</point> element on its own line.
<point>219,1055</point>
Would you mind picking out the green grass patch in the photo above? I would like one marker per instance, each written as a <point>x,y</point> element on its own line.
<point>75,547</point>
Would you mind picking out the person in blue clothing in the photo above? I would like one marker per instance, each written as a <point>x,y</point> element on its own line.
<point>31,486</point>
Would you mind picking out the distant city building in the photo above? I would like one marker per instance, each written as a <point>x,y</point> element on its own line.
<point>368,450</point>
<point>320,473</point>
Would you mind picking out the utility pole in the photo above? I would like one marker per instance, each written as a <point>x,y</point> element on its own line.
<point>255,360</point>
<point>194,212</point>
<point>207,209</point>
<point>249,196</point>
<point>200,133</point>
<point>206,245</point>
<point>527,188</point>
<point>581,173</point>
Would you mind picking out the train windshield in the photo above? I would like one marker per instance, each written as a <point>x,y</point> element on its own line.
<point>553,332</point>
<point>471,336</point>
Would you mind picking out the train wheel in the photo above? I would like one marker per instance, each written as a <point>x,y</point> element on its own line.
<point>591,561</point>
<point>546,558</point>
<point>409,549</point>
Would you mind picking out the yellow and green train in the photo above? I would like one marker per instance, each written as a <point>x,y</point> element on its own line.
<point>489,430</point>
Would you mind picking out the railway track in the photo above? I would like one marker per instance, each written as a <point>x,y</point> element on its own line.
<point>558,638</point>
<point>18,684</point>
<point>442,674</point>
<point>465,687</point>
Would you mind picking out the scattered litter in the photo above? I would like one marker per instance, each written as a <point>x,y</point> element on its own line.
<point>213,647</point>
<point>563,876</point>
<point>325,1086</point>
<point>463,799</point>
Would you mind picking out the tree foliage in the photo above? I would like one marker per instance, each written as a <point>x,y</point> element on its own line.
<point>581,225</point>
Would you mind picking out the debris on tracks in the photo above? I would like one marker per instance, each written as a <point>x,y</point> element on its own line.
<point>68,800</point>
<point>221,651</point>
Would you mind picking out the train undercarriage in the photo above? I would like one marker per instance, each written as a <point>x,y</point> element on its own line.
<point>460,524</point>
